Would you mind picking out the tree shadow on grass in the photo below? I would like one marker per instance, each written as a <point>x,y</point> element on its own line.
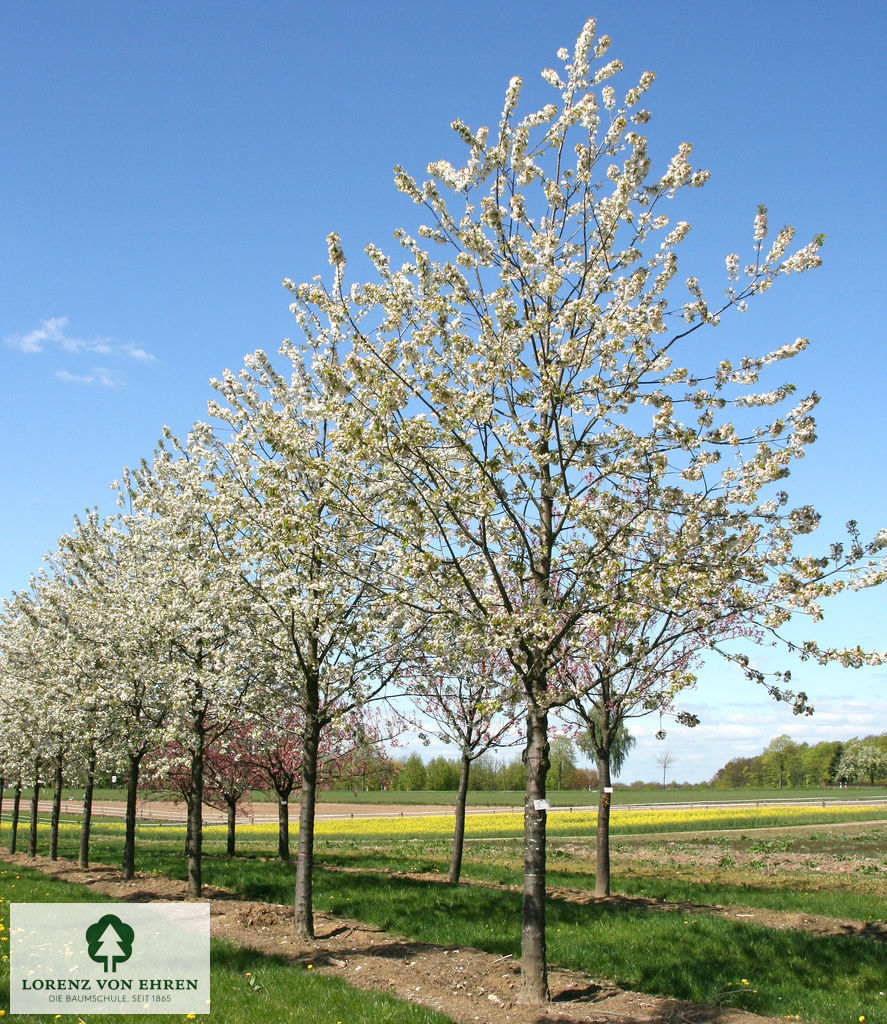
<point>708,957</point>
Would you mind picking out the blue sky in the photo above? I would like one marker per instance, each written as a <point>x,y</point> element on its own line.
<point>166,165</point>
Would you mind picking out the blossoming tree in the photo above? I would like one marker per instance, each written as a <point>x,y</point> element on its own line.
<point>464,698</point>
<point>309,562</point>
<point>525,378</point>
<point>198,612</point>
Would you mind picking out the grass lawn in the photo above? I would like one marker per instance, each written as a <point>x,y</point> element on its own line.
<point>247,988</point>
<point>691,955</point>
<point>684,953</point>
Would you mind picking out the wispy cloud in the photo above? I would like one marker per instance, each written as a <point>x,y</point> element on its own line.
<point>139,354</point>
<point>98,375</point>
<point>54,335</point>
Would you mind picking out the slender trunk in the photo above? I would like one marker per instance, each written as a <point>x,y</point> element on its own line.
<point>56,810</point>
<point>16,805</point>
<point>534,971</point>
<point>2,784</point>
<point>283,826</point>
<point>602,876</point>
<point>86,817</point>
<point>459,834</point>
<point>35,803</point>
<point>195,818</point>
<point>129,842</point>
<point>188,824</point>
<point>303,905</point>
<point>231,803</point>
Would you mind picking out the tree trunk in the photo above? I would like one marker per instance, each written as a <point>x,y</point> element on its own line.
<point>303,905</point>
<point>283,827</point>
<point>602,875</point>
<point>231,803</point>
<point>16,804</point>
<point>459,834</point>
<point>188,824</point>
<point>534,971</point>
<point>2,784</point>
<point>35,803</point>
<point>86,817</point>
<point>195,819</point>
<point>129,842</point>
<point>56,810</point>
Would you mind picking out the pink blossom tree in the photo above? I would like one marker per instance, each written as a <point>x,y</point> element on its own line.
<point>464,699</point>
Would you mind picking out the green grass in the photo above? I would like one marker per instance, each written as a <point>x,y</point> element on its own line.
<point>158,850</point>
<point>695,956</point>
<point>246,986</point>
<point>699,957</point>
<point>503,867</point>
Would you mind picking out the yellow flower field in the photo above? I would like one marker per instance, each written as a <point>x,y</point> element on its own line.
<point>561,822</point>
<point>564,822</point>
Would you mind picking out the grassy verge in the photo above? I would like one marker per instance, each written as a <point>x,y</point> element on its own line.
<point>703,958</point>
<point>694,956</point>
<point>697,957</point>
<point>824,895</point>
<point>246,986</point>
<point>860,894</point>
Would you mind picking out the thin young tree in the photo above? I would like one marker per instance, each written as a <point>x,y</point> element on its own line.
<point>665,760</point>
<point>463,697</point>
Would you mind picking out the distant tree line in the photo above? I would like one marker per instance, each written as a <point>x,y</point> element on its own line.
<point>490,773</point>
<point>784,763</point>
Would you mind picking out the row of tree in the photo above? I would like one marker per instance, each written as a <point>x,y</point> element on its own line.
<point>499,479</point>
<point>786,763</point>
<point>496,774</point>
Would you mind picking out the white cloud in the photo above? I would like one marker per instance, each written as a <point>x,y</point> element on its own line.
<point>744,729</point>
<point>98,375</point>
<point>50,330</point>
<point>53,333</point>
<point>134,352</point>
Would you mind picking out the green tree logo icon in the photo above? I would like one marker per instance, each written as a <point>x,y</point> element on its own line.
<point>110,941</point>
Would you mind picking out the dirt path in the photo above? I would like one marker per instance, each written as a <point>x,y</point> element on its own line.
<point>469,986</point>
